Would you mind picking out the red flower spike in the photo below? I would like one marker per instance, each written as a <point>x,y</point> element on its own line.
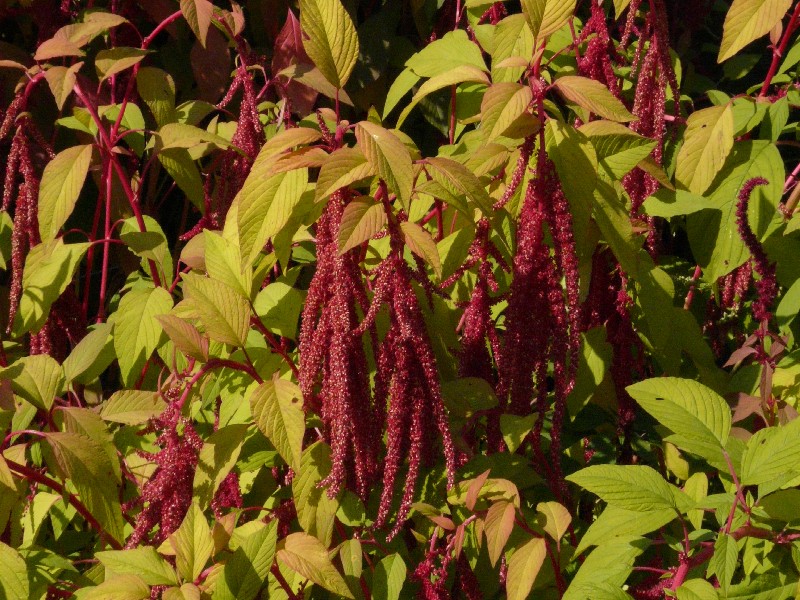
<point>767,285</point>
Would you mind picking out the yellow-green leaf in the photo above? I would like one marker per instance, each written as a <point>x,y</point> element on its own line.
<point>707,142</point>
<point>14,575</point>
<point>61,185</point>
<point>523,567</point>
<point>91,356</point>
<point>315,510</point>
<point>278,411</point>
<point>185,336</point>
<point>61,81</point>
<point>49,268</point>
<point>748,20</point>
<point>137,333</point>
<point>389,157</point>
<point>421,243</point>
<point>83,461</point>
<point>498,526</point>
<point>332,42</point>
<point>362,218</point>
<point>132,407</point>
<point>198,15</point>
<point>307,556</point>
<point>216,459</point>
<point>344,167</point>
<point>504,111</point>
<point>547,16</point>
<point>593,96</point>
<point>459,181</point>
<point>115,60</point>
<point>37,379</point>
<point>461,74</point>
<point>224,313</point>
<point>556,519</point>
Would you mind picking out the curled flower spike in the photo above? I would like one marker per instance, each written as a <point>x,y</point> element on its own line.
<point>767,285</point>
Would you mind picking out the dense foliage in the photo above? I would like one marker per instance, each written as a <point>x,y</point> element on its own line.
<point>384,299</point>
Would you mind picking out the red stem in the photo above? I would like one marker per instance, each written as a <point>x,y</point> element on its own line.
<point>31,474</point>
<point>122,176</point>
<point>777,53</point>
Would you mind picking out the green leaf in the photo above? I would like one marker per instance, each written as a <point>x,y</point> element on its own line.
<point>459,181</point>
<point>557,519</point>
<point>118,587</point>
<point>616,522</point>
<point>224,313</point>
<point>724,560</point>
<point>306,556</point>
<point>85,462</point>
<point>265,205</point>
<point>696,589</point>
<point>224,263</point>
<point>279,306</point>
<point>137,332</point>
<point>246,571</point>
<point>618,149</point>
<point>547,16</point>
<point>633,487</point>
<point>115,60</point>
<point>454,49</point>
<point>38,379</point>
<point>49,268</point>
<point>277,410</point>
<point>610,563</point>
<point>497,527</point>
<point>504,111</point>
<point>332,42</point>
<point>143,561</point>
<point>185,336</point>
<point>513,39</point>
<point>344,167</point>
<point>461,74</point>
<point>91,356</point>
<point>182,168</point>
<point>9,494</point>
<point>351,557</point>
<point>192,543</point>
<point>515,429</point>
<point>770,453</point>
<point>61,81</point>
<point>713,234</point>
<point>132,407</point>
<point>61,185</point>
<point>150,244</point>
<point>389,577</point>
<point>421,243</point>
<point>707,141</point>
<point>404,83</point>
<point>523,567</point>
<point>389,158</point>
<point>769,586</point>
<point>315,510</point>
<point>748,20</point>
<point>699,417</point>
<point>593,96</point>
<point>614,222</point>
<point>157,89</point>
<point>198,14</point>
<point>362,218</point>
<point>672,203</point>
<point>216,459</point>
<point>14,575</point>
